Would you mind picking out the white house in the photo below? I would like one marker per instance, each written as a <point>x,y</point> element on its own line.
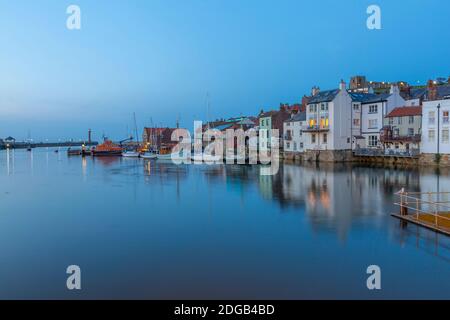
<point>293,132</point>
<point>435,126</point>
<point>368,112</point>
<point>328,116</point>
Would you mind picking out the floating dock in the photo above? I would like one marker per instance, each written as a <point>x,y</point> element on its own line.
<point>427,209</point>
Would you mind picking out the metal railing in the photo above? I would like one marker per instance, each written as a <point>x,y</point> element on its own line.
<point>413,205</point>
<point>378,152</point>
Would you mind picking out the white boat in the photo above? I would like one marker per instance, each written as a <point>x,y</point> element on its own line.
<point>130,154</point>
<point>149,155</point>
<point>165,154</point>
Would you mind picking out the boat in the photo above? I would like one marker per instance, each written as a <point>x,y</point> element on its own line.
<point>107,148</point>
<point>72,152</point>
<point>149,155</point>
<point>166,153</point>
<point>130,154</point>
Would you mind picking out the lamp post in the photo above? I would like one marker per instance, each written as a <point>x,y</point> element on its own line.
<point>438,125</point>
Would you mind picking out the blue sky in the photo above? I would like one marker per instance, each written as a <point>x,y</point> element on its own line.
<point>160,58</point>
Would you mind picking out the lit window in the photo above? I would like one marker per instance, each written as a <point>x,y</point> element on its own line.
<point>445,117</point>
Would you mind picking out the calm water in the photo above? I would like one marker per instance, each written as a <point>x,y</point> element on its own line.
<point>154,230</point>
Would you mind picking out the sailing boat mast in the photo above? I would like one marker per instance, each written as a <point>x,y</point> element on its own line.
<point>135,128</point>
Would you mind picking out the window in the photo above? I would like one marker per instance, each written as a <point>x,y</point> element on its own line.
<point>373,141</point>
<point>431,135</point>
<point>373,123</point>
<point>431,116</point>
<point>288,145</point>
<point>410,131</point>
<point>322,106</point>
<point>445,136</point>
<point>445,117</point>
<point>313,138</point>
<point>325,138</point>
<point>373,108</point>
<point>295,146</point>
<point>411,119</point>
<point>262,123</point>
<point>400,120</point>
<point>356,107</point>
<point>391,121</point>
<point>356,122</point>
<point>301,145</point>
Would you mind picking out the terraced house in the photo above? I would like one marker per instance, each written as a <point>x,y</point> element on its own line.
<point>402,131</point>
<point>328,131</point>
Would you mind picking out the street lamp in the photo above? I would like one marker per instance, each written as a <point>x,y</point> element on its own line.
<point>438,125</point>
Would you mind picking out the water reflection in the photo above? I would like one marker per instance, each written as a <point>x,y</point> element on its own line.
<point>213,231</point>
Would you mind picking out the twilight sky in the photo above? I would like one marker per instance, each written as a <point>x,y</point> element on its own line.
<point>159,58</point>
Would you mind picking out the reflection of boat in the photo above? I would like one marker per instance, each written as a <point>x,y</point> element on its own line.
<point>149,155</point>
<point>107,148</point>
<point>130,154</point>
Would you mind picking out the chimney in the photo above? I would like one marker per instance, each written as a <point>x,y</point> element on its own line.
<point>342,85</point>
<point>394,88</point>
<point>315,90</point>
<point>432,90</point>
<point>89,136</point>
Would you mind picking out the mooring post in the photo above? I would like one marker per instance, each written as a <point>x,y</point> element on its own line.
<point>403,208</point>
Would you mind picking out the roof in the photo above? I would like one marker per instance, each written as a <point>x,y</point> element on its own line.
<point>369,97</point>
<point>324,96</point>
<point>268,114</point>
<point>10,139</point>
<point>405,111</point>
<point>301,116</point>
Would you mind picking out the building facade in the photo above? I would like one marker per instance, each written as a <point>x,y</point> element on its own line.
<point>402,131</point>
<point>293,133</point>
<point>328,117</point>
<point>435,127</point>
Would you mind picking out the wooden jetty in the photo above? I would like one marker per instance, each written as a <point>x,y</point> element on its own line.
<point>427,209</point>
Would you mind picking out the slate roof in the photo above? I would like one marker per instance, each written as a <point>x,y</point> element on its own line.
<point>405,111</point>
<point>301,116</point>
<point>369,97</point>
<point>324,96</point>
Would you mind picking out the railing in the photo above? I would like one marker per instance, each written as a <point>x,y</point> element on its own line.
<point>435,212</point>
<point>378,152</point>
<point>316,128</point>
<point>396,138</point>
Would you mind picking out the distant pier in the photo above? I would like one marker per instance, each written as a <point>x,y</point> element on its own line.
<point>26,145</point>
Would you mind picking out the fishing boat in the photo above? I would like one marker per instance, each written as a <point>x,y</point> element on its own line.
<point>149,155</point>
<point>74,152</point>
<point>107,148</point>
<point>130,154</point>
<point>166,153</point>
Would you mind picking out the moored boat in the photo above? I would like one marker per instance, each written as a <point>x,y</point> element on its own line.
<point>149,155</point>
<point>130,154</point>
<point>166,153</point>
<point>107,148</point>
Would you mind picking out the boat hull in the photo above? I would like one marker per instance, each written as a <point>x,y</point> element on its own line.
<point>107,153</point>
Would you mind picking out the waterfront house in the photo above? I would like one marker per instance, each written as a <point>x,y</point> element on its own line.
<point>432,91</point>
<point>328,130</point>
<point>293,133</point>
<point>269,121</point>
<point>154,138</point>
<point>402,131</point>
<point>435,127</point>
<point>368,112</point>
